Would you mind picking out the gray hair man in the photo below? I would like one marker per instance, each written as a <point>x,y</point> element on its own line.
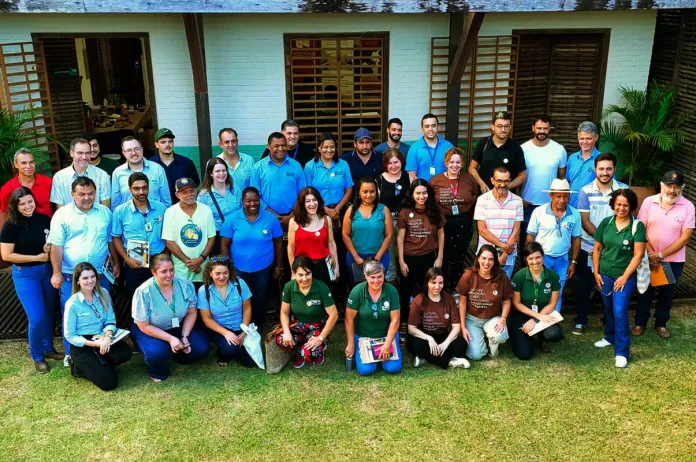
<point>581,169</point>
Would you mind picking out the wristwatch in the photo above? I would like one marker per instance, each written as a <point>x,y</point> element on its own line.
<point>659,254</point>
<point>574,262</point>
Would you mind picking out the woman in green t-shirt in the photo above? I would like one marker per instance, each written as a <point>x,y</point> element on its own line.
<point>619,247</point>
<point>314,310</point>
<point>536,289</point>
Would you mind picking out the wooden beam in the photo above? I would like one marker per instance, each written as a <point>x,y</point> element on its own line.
<point>467,42</point>
<point>193,23</point>
<point>457,21</point>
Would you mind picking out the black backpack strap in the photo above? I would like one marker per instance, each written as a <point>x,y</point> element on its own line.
<point>217,206</point>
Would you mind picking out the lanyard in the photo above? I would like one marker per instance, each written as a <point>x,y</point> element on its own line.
<point>297,147</point>
<point>172,305</point>
<point>454,188</point>
<point>537,285</point>
<point>432,151</point>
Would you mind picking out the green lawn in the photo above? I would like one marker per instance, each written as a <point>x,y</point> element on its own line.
<point>572,404</point>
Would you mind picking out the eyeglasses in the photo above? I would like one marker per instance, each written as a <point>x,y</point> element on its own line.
<point>374,311</point>
<point>503,127</point>
<point>559,233</point>
<point>219,258</point>
<point>132,150</point>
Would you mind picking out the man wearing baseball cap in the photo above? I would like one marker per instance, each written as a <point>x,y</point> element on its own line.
<point>669,220</point>
<point>175,165</point>
<point>188,231</point>
<point>363,160</point>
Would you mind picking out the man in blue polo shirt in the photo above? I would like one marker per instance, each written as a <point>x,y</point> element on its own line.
<point>581,164</point>
<point>120,189</point>
<point>239,165</point>
<point>394,132</point>
<point>279,179</point>
<point>139,219</point>
<point>363,160</point>
<point>558,228</point>
<point>426,157</point>
<point>175,165</point>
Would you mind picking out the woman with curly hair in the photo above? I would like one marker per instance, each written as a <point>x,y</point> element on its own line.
<point>224,302</point>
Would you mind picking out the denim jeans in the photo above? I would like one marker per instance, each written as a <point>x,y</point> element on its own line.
<point>479,329</point>
<point>38,298</point>
<point>617,329</point>
<point>392,366</point>
<point>66,293</point>
<point>227,352</point>
<point>258,283</point>
<point>508,269</point>
<point>559,265</point>
<point>665,294</point>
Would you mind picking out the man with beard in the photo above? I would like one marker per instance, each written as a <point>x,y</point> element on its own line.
<point>499,215</point>
<point>104,163</point>
<point>394,131</point>
<point>175,165</point>
<point>669,221</point>
<point>581,164</point>
<point>297,150</point>
<point>427,155</point>
<point>363,160</point>
<point>81,152</point>
<point>545,160</point>
<point>593,205</point>
<point>135,162</point>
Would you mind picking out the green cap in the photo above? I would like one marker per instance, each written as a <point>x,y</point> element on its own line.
<point>162,132</point>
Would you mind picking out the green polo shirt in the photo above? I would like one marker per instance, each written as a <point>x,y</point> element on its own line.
<point>310,307</point>
<point>532,293</point>
<point>373,317</point>
<point>617,251</point>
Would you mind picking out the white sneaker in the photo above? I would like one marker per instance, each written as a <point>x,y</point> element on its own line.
<point>418,361</point>
<point>602,343</point>
<point>67,361</point>
<point>493,346</point>
<point>459,362</point>
<point>621,361</point>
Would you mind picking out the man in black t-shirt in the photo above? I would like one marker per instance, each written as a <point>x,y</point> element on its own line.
<point>297,150</point>
<point>498,150</point>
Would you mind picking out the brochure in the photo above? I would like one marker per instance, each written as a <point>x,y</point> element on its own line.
<point>120,334</point>
<point>139,250</point>
<point>369,350</point>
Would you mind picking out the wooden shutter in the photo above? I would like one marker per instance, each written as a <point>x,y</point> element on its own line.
<point>337,84</point>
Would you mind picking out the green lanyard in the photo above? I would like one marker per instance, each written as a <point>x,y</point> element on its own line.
<point>537,285</point>
<point>172,305</point>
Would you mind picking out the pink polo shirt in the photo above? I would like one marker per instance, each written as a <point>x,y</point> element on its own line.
<point>665,227</point>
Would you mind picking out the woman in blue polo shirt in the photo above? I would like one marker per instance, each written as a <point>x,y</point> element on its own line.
<point>89,325</point>
<point>224,303</point>
<point>536,289</point>
<point>219,193</point>
<point>253,238</point>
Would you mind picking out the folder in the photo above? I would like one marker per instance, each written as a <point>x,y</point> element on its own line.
<point>662,275</point>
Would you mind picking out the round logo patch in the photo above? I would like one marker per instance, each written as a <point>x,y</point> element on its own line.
<point>386,304</point>
<point>410,215</point>
<point>332,174</point>
<point>317,233</point>
<point>398,186</point>
<point>265,231</point>
<point>495,292</point>
<point>505,161</point>
<point>309,303</point>
<point>446,315</point>
<point>625,242</point>
<point>548,284</point>
<point>191,235</point>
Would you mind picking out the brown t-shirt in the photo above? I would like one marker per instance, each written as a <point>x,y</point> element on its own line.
<point>421,235</point>
<point>434,318</point>
<point>484,298</point>
<point>465,187</point>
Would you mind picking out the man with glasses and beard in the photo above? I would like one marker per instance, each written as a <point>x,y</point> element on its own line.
<point>558,228</point>
<point>394,131</point>
<point>669,221</point>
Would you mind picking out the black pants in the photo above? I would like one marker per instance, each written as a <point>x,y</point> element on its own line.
<point>521,343</point>
<point>458,232</point>
<point>412,285</point>
<point>99,369</point>
<point>585,284</point>
<point>216,246</point>
<point>421,348</point>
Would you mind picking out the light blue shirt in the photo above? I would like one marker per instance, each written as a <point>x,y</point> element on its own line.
<point>228,311</point>
<point>596,203</point>
<point>241,173</point>
<point>82,318</point>
<point>149,304</point>
<point>159,188</point>
<point>83,236</point>
<point>579,173</point>
<point>252,243</point>
<point>63,180</point>
<point>129,223</point>
<point>421,158</point>
<point>279,185</point>
<point>384,147</point>
<point>554,235</point>
<point>330,182</point>
<point>229,203</point>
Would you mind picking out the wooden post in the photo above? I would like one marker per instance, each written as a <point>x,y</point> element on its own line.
<point>193,23</point>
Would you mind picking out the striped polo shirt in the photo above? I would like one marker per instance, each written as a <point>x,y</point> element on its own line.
<point>593,201</point>
<point>499,219</point>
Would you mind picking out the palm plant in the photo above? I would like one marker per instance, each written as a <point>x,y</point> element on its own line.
<point>643,132</point>
<point>15,134</point>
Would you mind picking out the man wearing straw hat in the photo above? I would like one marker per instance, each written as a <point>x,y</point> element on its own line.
<point>558,228</point>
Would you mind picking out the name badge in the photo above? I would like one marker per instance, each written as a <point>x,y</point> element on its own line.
<point>535,308</point>
<point>432,170</point>
<point>175,323</point>
<point>455,210</point>
<point>148,227</point>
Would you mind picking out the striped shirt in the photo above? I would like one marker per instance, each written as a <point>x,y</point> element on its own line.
<point>593,201</point>
<point>61,191</point>
<point>500,219</point>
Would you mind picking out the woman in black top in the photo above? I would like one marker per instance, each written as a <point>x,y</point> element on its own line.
<point>23,242</point>
<point>393,185</point>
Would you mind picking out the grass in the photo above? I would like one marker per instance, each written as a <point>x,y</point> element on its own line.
<point>570,405</point>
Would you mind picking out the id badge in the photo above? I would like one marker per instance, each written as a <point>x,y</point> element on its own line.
<point>175,323</point>
<point>535,308</point>
<point>432,170</point>
<point>148,227</point>
<point>455,210</point>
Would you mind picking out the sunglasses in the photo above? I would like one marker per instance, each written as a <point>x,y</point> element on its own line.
<point>219,258</point>
<point>374,311</point>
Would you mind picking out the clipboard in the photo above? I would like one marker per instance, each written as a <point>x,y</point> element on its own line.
<point>662,275</point>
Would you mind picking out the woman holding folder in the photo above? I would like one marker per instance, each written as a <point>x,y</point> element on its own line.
<point>90,325</point>
<point>536,289</point>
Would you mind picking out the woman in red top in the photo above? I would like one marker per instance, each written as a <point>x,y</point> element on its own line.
<point>310,234</point>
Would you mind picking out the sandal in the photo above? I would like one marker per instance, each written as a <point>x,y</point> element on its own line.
<point>222,363</point>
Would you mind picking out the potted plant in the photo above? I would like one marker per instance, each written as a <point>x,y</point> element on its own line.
<point>642,133</point>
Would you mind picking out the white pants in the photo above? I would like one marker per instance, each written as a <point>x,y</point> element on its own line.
<point>478,328</point>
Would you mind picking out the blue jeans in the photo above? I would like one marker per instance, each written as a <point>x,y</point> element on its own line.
<point>559,265</point>
<point>617,330</point>
<point>509,268</point>
<point>38,298</point>
<point>665,294</point>
<point>157,352</point>
<point>227,352</point>
<point>258,282</point>
<point>583,289</point>
<point>66,293</point>
<point>392,366</point>
<point>350,260</point>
